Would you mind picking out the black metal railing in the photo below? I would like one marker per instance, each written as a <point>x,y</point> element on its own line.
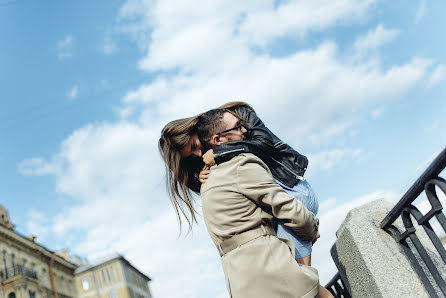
<point>429,182</point>
<point>17,270</point>
<point>337,287</point>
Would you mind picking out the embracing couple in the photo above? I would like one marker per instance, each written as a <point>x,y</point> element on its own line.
<point>258,208</point>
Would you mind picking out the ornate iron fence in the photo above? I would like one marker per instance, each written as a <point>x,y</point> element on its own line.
<point>429,182</point>
<point>337,287</point>
<point>17,270</point>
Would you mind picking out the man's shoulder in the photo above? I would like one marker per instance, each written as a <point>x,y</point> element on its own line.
<point>249,158</point>
<point>242,161</point>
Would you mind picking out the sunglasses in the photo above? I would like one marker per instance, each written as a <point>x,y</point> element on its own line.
<point>238,126</point>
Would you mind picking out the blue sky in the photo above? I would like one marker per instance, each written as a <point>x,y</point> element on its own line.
<point>357,86</point>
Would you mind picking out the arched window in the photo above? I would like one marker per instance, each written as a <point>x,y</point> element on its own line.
<point>11,295</point>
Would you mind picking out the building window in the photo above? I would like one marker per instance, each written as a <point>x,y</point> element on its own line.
<point>71,288</point>
<point>32,294</point>
<point>113,293</point>
<point>14,267</point>
<point>11,295</point>
<point>107,273</point>
<point>6,265</point>
<point>113,274</point>
<point>103,276</point>
<point>24,266</point>
<point>86,283</point>
<point>43,278</point>
<point>62,285</point>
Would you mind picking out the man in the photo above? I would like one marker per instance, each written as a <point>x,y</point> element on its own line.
<point>240,201</point>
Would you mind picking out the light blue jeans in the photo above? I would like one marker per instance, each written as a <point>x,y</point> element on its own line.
<point>303,192</point>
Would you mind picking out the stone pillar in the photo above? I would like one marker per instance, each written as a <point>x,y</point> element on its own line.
<point>369,260</point>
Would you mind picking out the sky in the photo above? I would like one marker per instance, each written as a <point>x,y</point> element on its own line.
<point>86,86</point>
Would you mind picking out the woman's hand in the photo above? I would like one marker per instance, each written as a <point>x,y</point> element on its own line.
<point>204,174</point>
<point>208,158</point>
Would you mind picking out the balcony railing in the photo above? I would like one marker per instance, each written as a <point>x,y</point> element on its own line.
<point>17,270</point>
<point>430,183</point>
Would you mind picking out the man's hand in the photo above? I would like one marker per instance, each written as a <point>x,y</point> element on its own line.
<point>315,238</point>
<point>208,158</point>
<point>204,174</point>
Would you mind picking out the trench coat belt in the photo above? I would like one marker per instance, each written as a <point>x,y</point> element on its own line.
<point>235,241</point>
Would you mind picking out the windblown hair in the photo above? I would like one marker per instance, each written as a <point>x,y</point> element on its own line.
<point>182,173</point>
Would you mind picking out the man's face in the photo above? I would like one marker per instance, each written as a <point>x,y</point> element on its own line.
<point>233,131</point>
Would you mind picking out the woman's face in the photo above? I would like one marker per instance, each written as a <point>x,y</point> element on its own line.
<point>193,147</point>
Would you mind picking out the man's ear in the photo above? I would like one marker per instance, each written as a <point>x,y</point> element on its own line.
<point>215,140</point>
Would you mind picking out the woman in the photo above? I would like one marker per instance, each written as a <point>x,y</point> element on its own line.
<point>182,151</point>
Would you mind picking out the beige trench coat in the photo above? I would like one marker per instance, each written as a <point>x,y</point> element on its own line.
<point>240,195</point>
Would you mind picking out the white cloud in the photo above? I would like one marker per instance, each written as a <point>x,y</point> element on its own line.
<point>298,17</point>
<point>37,167</point>
<point>73,93</point>
<point>377,112</point>
<point>38,225</point>
<point>424,164</point>
<point>229,28</point>
<point>437,75</point>
<point>214,49</point>
<point>374,39</point>
<point>324,161</point>
<point>213,20</point>
<point>421,11</point>
<point>324,113</point>
<point>109,47</point>
<point>65,47</point>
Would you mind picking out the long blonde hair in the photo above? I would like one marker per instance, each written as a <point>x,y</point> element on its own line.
<point>182,173</point>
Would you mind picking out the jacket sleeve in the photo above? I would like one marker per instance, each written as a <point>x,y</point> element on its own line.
<point>256,183</point>
<point>258,139</point>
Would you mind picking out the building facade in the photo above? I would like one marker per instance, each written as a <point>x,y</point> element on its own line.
<point>28,269</point>
<point>111,277</point>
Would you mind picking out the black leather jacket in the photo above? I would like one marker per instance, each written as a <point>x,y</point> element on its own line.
<point>287,165</point>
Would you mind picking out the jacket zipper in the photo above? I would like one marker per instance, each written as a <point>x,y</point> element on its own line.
<point>288,169</point>
<point>227,152</point>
